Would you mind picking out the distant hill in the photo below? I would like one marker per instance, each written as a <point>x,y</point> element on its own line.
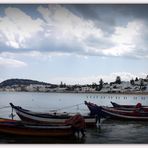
<point>11,82</point>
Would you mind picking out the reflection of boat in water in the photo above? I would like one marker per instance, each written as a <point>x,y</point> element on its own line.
<point>15,127</point>
<point>48,118</point>
<point>115,113</point>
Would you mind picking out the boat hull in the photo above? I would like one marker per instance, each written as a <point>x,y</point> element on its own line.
<point>115,113</point>
<point>122,114</point>
<point>40,118</point>
<point>130,107</point>
<point>17,128</point>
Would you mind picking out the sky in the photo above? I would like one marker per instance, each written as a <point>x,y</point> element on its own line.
<point>73,43</point>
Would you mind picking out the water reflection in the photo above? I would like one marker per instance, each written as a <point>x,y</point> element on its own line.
<point>40,140</point>
<point>108,132</point>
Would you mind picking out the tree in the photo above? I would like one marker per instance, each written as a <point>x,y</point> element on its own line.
<point>118,80</point>
<point>64,85</point>
<point>136,79</point>
<point>94,85</point>
<point>141,84</point>
<point>61,85</point>
<point>146,79</point>
<point>101,84</point>
<point>132,82</point>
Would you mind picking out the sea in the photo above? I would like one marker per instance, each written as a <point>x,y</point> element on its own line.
<point>108,132</point>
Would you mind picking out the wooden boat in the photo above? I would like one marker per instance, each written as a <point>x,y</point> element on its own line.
<point>124,114</point>
<point>111,112</point>
<point>118,105</point>
<point>48,118</point>
<point>15,127</point>
<point>7,120</point>
<point>130,107</point>
<point>93,108</point>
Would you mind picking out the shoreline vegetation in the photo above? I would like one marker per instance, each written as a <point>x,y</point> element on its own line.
<point>137,86</point>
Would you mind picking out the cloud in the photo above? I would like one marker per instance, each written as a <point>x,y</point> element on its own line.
<point>94,30</point>
<point>73,33</point>
<point>6,62</point>
<point>16,27</point>
<point>127,39</point>
<point>111,77</point>
<point>124,28</point>
<point>67,29</point>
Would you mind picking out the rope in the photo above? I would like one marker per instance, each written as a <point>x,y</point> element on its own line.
<point>67,107</point>
<point>4,107</point>
<point>76,105</point>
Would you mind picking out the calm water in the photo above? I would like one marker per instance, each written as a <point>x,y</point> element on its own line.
<point>111,132</point>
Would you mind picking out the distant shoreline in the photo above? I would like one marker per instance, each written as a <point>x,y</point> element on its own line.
<point>125,93</point>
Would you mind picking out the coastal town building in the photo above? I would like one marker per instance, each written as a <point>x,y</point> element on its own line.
<point>134,86</point>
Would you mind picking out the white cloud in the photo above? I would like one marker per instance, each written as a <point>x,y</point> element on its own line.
<point>7,62</point>
<point>125,76</point>
<point>125,39</point>
<point>16,26</point>
<point>64,25</point>
<point>70,28</point>
<point>62,31</point>
<point>128,34</point>
<point>74,80</point>
<point>119,50</point>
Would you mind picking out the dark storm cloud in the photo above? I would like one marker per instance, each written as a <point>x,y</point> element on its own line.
<point>102,15</point>
<point>96,25</point>
<point>108,16</point>
<point>104,11</point>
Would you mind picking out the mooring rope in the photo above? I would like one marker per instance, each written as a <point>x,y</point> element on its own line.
<point>77,105</point>
<point>54,110</point>
<point>4,107</point>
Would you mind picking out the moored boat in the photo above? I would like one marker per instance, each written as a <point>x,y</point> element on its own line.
<point>118,105</point>
<point>93,108</point>
<point>124,114</point>
<point>15,127</point>
<point>48,118</point>
<point>130,107</point>
<point>115,113</point>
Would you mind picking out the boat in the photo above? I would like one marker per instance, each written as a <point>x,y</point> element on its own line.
<point>7,120</point>
<point>115,113</point>
<point>49,118</point>
<point>118,105</point>
<point>130,107</point>
<point>93,108</point>
<point>14,127</point>
<point>124,114</point>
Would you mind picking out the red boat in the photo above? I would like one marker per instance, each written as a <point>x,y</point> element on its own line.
<point>136,114</point>
<point>115,113</point>
<point>130,107</point>
<point>15,127</point>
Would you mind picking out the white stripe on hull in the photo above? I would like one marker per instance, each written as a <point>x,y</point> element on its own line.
<point>52,120</point>
<point>40,118</point>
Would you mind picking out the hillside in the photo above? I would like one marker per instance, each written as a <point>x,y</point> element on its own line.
<point>12,82</point>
